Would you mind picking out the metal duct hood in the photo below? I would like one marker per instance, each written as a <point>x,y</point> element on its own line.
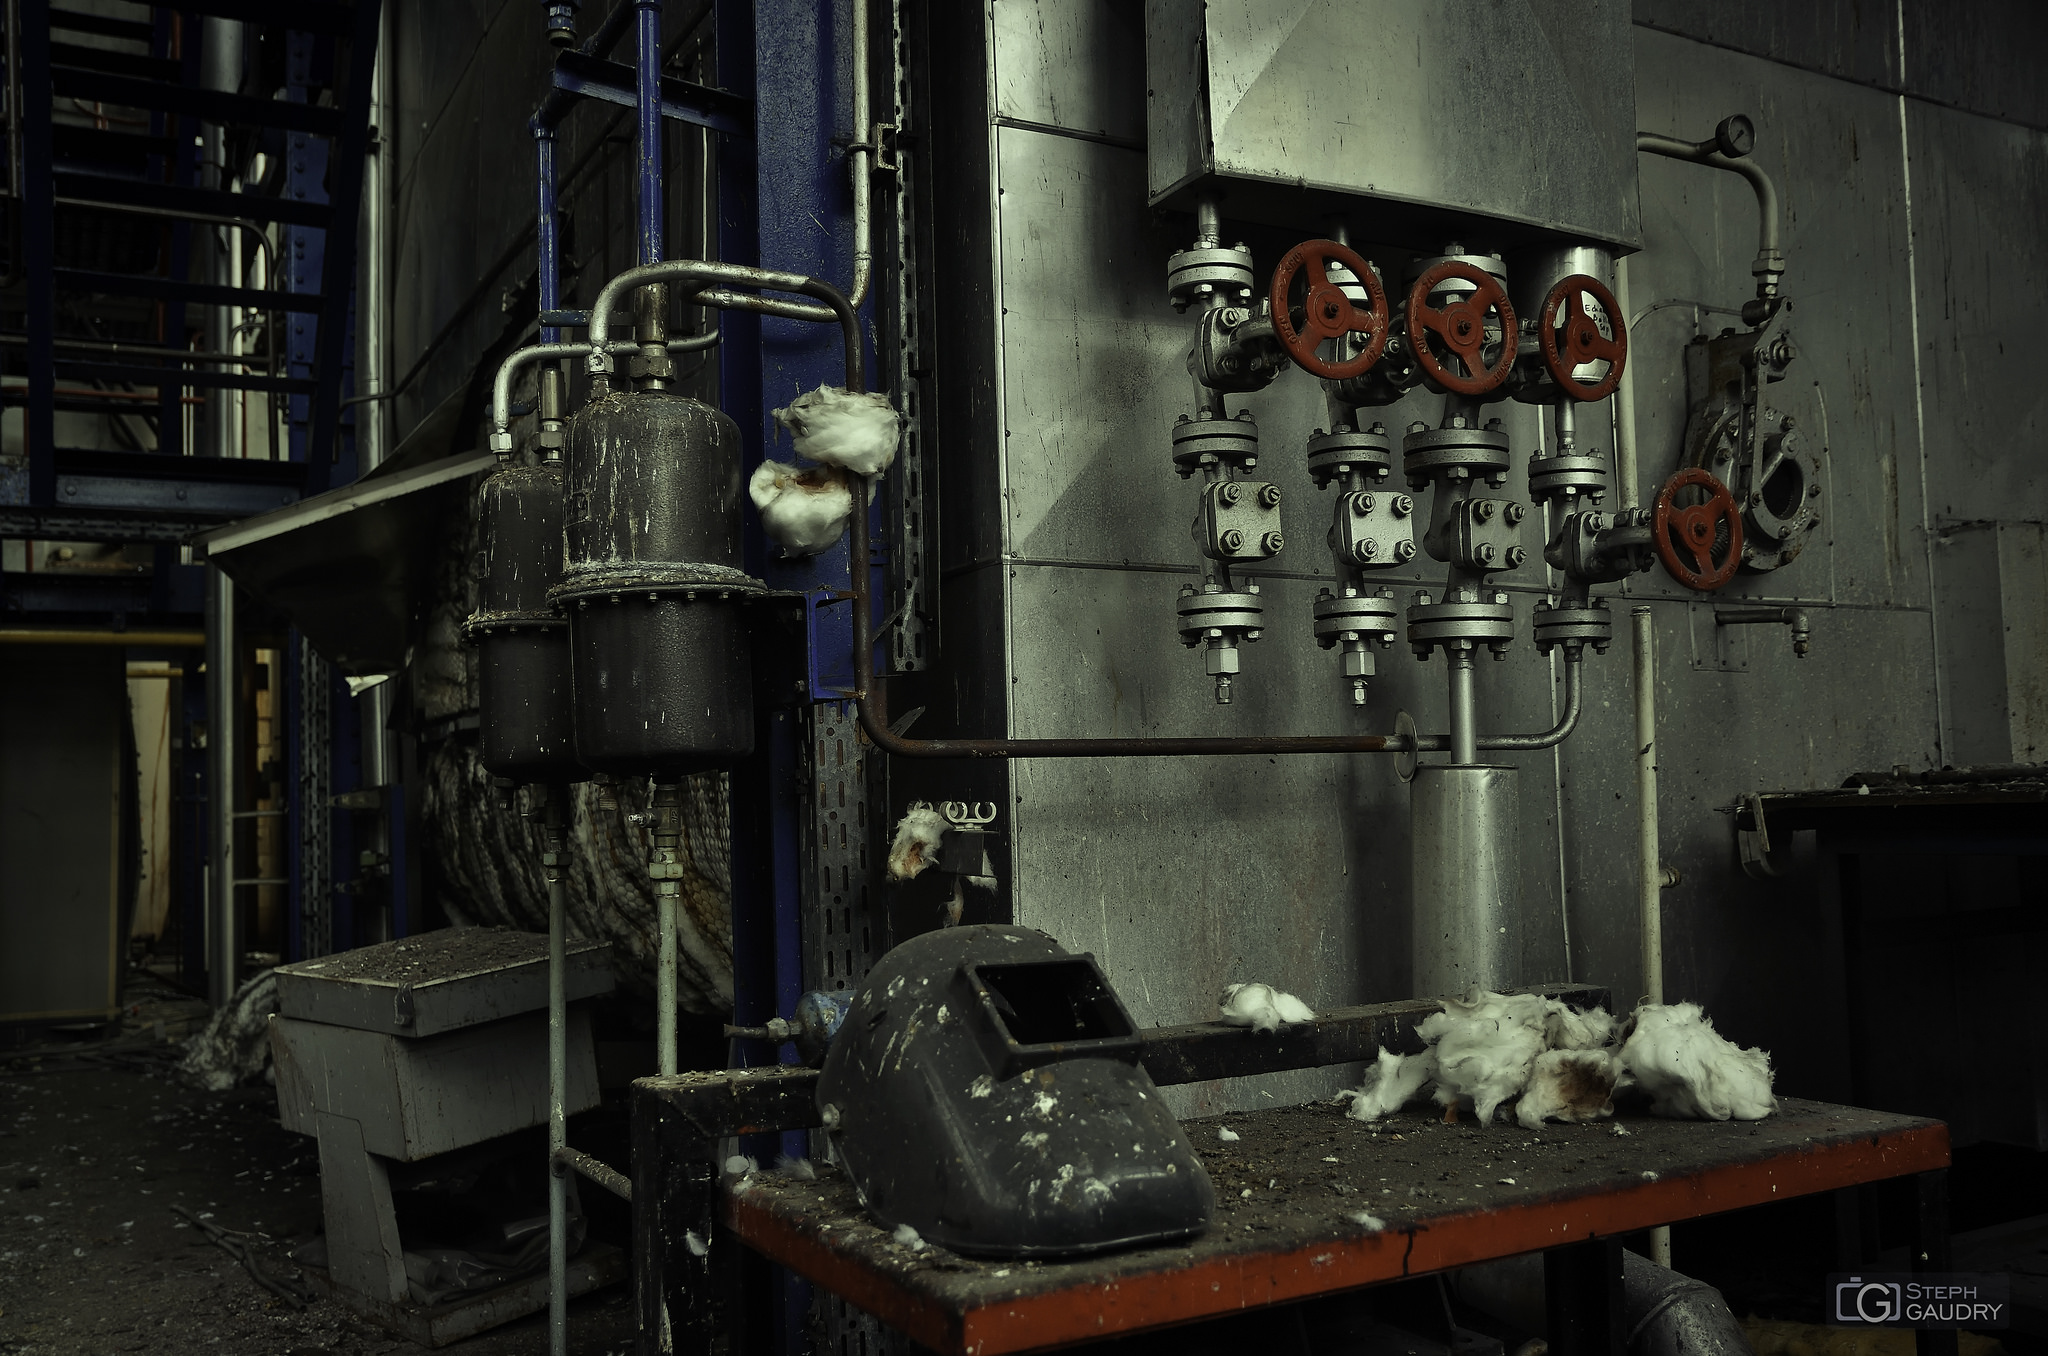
<point>1411,118</point>
<point>352,567</point>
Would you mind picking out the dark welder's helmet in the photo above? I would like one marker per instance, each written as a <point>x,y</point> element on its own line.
<point>985,1090</point>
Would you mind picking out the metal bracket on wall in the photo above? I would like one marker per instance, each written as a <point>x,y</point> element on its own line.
<point>1716,648</point>
<point>913,596</point>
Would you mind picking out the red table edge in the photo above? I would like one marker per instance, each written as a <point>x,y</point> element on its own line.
<point>1225,1285</point>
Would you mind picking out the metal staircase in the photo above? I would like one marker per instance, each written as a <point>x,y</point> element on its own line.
<point>181,233</point>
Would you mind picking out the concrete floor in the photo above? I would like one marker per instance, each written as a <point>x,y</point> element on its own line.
<point>94,1152</point>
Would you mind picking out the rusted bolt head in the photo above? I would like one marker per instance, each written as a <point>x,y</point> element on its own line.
<point>1230,492</point>
<point>1361,503</point>
<point>1404,551</point>
<point>1366,549</point>
<point>1482,510</point>
<point>1232,539</point>
<point>1484,555</point>
<point>1513,513</point>
<point>1274,542</point>
<point>1402,506</point>
<point>1269,496</point>
<point>1516,555</point>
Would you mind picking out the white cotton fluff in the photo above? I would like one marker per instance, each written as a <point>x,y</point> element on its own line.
<point>1227,1135</point>
<point>1569,1085</point>
<point>909,1237</point>
<point>799,1168</point>
<point>1568,1028</point>
<point>802,511</point>
<point>1692,1071</point>
<point>856,430</point>
<point>1366,1220</point>
<point>1261,1007</point>
<point>916,845</point>
<point>1485,1046</point>
<point>1390,1084</point>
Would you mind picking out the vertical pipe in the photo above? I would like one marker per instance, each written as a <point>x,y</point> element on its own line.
<point>665,867</point>
<point>554,847</point>
<point>223,937</point>
<point>373,311</point>
<point>861,158</point>
<point>1625,410</point>
<point>548,231</point>
<point>1464,726</point>
<point>649,109</point>
<point>1649,869</point>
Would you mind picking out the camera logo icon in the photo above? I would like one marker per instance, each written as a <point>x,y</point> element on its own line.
<point>1861,1301</point>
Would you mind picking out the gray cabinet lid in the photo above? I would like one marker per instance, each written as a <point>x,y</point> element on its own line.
<point>437,981</point>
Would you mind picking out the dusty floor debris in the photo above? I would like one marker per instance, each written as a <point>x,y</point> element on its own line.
<point>95,1150</point>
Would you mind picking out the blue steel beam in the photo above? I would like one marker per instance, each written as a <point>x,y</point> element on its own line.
<point>611,83</point>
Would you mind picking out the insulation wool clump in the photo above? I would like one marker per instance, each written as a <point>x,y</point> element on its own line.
<point>1569,1085</point>
<point>1485,1046</point>
<point>1261,1007</point>
<point>854,429</point>
<point>802,511</point>
<point>1692,1071</point>
<point>916,845</point>
<point>1390,1084</point>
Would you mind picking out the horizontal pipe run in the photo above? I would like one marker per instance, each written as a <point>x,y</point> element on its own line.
<point>566,1159</point>
<point>55,635</point>
<point>695,274</point>
<point>871,702</point>
<point>508,371</point>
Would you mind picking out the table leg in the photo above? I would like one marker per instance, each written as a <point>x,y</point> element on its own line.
<point>1582,1291</point>
<point>679,1252</point>
<point>1931,1249</point>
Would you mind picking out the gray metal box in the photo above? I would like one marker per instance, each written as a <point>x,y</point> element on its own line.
<point>1429,112</point>
<point>437,981</point>
<point>416,1097</point>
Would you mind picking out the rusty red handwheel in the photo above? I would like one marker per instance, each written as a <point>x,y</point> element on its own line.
<point>1460,326</point>
<point>1328,312</point>
<point>1581,340</point>
<point>1700,544</point>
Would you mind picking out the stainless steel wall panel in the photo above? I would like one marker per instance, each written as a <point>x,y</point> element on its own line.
<point>1980,196</point>
<point>1425,104</point>
<point>1072,64</point>
<point>1848,39</point>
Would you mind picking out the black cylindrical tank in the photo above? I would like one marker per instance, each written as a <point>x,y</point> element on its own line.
<point>653,589</point>
<point>526,728</point>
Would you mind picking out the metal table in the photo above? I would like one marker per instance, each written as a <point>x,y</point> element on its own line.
<point>1575,1190</point>
<point>1288,1189</point>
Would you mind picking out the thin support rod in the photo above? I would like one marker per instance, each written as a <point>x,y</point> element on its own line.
<point>1464,726</point>
<point>554,849</point>
<point>598,1171</point>
<point>648,110</point>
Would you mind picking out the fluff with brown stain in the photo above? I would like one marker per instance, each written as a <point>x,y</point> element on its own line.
<point>1569,1085</point>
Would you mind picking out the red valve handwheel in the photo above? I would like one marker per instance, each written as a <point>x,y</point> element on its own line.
<point>1461,327</point>
<point>1692,533</point>
<point>1582,342</point>
<point>1328,313</point>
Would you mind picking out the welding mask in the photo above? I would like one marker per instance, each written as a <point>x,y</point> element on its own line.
<point>985,1090</point>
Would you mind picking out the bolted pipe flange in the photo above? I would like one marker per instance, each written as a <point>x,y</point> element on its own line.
<point>1573,625</point>
<point>1355,615</point>
<point>1206,440</point>
<point>1201,274</point>
<point>1463,622</point>
<point>1209,612</point>
<point>1553,478</point>
<point>1430,452</point>
<point>1368,451</point>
